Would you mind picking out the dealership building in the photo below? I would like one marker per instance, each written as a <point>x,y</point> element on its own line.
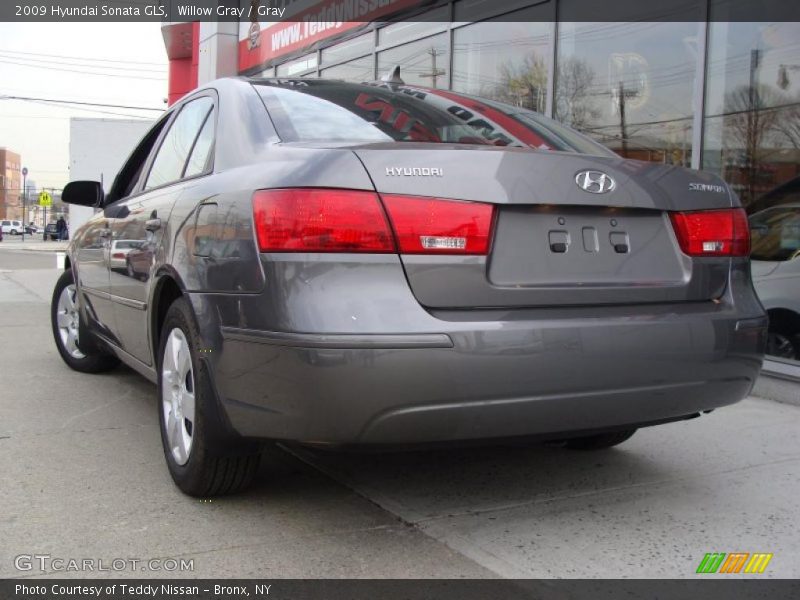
<point>709,91</point>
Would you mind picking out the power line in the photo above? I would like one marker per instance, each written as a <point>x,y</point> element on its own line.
<point>55,63</point>
<point>84,58</point>
<point>30,66</point>
<point>57,101</point>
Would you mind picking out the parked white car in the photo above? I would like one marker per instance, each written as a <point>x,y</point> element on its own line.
<point>119,252</point>
<point>12,227</point>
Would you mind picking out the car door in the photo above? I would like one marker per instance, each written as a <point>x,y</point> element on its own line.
<point>93,240</point>
<point>181,155</point>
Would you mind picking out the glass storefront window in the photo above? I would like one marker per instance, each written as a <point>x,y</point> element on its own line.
<point>752,108</point>
<point>299,67</point>
<point>359,46</point>
<point>357,71</point>
<point>423,62</point>
<point>505,61</point>
<point>429,22</point>
<point>630,86</point>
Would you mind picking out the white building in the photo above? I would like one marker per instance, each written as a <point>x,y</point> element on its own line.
<point>97,150</point>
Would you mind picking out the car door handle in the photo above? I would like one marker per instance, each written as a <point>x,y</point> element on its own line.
<point>152,224</point>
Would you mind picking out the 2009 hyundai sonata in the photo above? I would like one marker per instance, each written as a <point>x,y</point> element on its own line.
<point>334,263</point>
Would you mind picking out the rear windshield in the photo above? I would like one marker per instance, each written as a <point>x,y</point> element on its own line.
<point>306,110</point>
<point>775,233</point>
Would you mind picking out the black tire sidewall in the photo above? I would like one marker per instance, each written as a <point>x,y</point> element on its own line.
<point>187,476</point>
<point>94,359</point>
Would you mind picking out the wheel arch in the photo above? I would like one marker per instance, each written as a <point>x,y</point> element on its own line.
<point>167,289</point>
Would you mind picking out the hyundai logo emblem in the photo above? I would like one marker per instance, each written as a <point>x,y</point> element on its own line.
<point>595,182</point>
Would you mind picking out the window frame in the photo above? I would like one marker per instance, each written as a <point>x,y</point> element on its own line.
<point>177,110</point>
<point>145,147</point>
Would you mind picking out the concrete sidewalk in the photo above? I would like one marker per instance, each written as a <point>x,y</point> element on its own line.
<point>36,244</point>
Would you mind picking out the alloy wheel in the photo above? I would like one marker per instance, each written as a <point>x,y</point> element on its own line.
<point>68,320</point>
<point>178,396</point>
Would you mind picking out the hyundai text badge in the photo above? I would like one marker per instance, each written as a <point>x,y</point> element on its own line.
<point>595,182</point>
<point>414,172</point>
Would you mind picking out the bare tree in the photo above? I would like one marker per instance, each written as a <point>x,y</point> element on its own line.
<point>524,84</point>
<point>574,103</point>
<point>747,124</point>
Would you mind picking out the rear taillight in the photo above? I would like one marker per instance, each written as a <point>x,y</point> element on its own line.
<point>320,220</point>
<point>438,226</point>
<point>334,220</point>
<point>712,232</point>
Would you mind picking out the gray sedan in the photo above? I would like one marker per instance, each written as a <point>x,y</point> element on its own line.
<point>380,264</point>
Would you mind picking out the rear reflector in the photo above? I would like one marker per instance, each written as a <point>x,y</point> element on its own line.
<point>438,226</point>
<point>712,232</point>
<point>320,220</point>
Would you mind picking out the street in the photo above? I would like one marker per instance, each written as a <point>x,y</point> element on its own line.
<point>84,476</point>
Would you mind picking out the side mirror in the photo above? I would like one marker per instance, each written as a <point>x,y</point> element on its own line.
<point>83,193</point>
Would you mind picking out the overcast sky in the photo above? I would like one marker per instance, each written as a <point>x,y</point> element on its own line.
<point>109,63</point>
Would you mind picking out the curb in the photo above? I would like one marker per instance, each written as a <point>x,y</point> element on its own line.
<point>777,389</point>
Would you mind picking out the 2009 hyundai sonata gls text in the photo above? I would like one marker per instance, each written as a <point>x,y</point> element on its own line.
<point>335,263</point>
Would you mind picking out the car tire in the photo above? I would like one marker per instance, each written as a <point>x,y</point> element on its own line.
<point>129,269</point>
<point>783,339</point>
<point>73,341</point>
<point>201,464</point>
<point>600,441</point>
<point>13,232</point>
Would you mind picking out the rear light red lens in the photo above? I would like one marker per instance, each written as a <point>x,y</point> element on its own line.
<point>437,226</point>
<point>712,232</point>
<point>320,220</point>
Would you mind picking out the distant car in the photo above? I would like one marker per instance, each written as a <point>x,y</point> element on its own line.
<point>12,227</point>
<point>50,232</point>
<point>32,228</point>
<point>119,252</point>
<point>775,263</point>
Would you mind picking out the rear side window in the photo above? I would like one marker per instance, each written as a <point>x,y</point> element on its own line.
<point>201,153</point>
<point>178,143</point>
<point>775,233</point>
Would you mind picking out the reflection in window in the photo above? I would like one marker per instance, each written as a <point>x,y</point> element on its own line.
<point>201,153</point>
<point>298,68</point>
<point>421,63</point>
<point>752,135</point>
<point>775,233</point>
<point>349,49</point>
<point>171,158</point>
<point>630,86</point>
<point>428,22</point>
<point>306,118</point>
<point>356,71</point>
<point>505,61</point>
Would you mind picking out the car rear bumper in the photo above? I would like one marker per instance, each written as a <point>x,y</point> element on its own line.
<point>530,373</point>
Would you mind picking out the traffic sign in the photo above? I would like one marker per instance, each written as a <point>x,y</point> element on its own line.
<point>24,171</point>
<point>45,199</point>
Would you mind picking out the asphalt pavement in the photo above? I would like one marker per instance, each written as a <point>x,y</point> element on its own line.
<point>84,477</point>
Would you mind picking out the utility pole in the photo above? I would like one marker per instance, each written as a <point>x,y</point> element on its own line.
<point>752,125</point>
<point>622,127</point>
<point>434,73</point>
<point>24,197</point>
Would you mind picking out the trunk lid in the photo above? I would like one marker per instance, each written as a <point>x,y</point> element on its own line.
<point>555,243</point>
